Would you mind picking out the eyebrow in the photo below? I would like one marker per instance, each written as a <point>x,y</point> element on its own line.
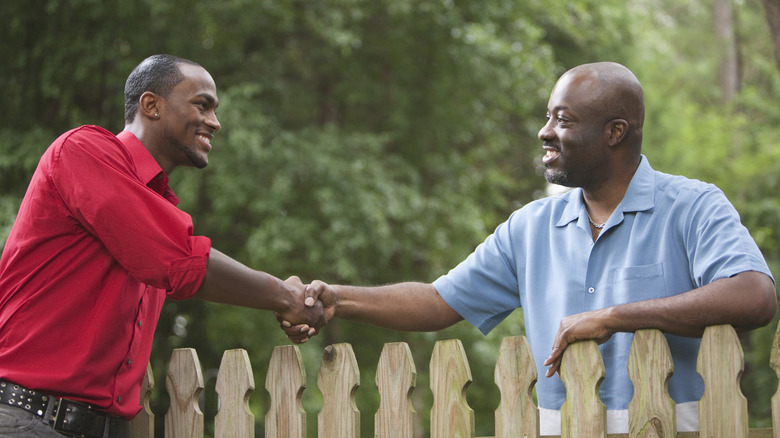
<point>209,98</point>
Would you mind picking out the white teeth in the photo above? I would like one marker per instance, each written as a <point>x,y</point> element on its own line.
<point>205,139</point>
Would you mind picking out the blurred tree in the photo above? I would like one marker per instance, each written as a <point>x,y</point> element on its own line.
<point>772,9</point>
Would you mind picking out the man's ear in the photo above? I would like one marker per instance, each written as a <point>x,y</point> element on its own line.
<point>617,131</point>
<point>148,105</point>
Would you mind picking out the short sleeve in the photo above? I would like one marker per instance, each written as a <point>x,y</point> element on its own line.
<point>483,289</point>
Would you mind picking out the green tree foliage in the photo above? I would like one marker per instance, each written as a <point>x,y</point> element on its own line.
<point>375,141</point>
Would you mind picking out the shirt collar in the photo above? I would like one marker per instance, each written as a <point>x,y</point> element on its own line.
<point>147,168</point>
<point>640,195</point>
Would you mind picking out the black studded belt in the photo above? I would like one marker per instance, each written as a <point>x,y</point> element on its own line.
<point>64,416</point>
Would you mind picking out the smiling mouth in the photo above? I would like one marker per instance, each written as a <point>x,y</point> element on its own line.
<point>550,156</point>
<point>204,140</point>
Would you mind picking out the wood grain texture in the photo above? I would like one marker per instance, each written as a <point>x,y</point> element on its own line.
<point>396,377</point>
<point>285,383</point>
<point>235,383</point>
<point>451,416</point>
<point>184,381</point>
<point>723,408</point>
<point>652,412</point>
<point>582,371</point>
<point>515,376</point>
<point>338,380</point>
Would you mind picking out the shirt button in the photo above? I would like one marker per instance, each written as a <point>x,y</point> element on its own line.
<point>119,399</point>
<point>129,361</point>
<point>140,323</point>
<point>591,290</point>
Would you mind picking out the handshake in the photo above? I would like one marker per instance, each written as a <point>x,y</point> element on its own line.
<point>310,307</point>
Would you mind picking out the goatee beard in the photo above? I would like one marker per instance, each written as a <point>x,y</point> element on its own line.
<point>559,178</point>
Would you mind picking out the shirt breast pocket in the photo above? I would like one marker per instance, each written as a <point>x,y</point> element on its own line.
<point>637,283</point>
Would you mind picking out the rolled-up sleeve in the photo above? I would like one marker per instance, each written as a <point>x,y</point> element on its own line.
<point>143,231</point>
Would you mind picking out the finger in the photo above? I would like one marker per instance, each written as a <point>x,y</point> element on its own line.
<point>554,368</point>
<point>297,337</point>
<point>555,353</point>
<point>309,300</point>
<point>313,291</point>
<point>290,330</point>
<point>298,340</point>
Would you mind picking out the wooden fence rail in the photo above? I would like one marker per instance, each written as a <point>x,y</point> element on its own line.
<point>722,409</point>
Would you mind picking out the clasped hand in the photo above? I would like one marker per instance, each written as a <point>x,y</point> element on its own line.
<point>313,308</point>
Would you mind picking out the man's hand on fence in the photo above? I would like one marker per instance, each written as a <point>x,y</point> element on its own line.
<point>582,326</point>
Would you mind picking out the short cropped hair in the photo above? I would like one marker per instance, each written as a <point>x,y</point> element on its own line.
<point>158,74</point>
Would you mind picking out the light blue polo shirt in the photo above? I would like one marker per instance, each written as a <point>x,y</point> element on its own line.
<point>669,235</point>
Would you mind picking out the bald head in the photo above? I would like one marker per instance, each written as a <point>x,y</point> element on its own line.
<point>613,91</point>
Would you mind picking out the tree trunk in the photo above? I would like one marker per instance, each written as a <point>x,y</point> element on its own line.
<point>772,8</point>
<point>723,17</point>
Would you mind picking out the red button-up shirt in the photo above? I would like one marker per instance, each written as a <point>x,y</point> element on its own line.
<point>96,247</point>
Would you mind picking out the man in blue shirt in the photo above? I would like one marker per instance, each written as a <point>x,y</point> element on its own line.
<point>629,248</point>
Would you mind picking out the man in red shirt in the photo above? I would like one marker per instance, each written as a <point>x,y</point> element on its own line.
<point>98,245</point>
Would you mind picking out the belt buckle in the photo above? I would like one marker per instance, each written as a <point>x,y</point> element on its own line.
<point>79,420</point>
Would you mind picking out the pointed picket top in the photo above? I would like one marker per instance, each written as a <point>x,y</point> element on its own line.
<point>774,362</point>
<point>142,426</point>
<point>515,376</point>
<point>285,382</point>
<point>338,380</point>
<point>396,377</point>
<point>235,383</point>
<point>450,375</point>
<point>651,412</point>
<point>184,381</point>
<point>723,408</point>
<point>582,371</point>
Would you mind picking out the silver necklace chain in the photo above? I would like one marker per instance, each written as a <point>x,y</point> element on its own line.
<point>598,226</point>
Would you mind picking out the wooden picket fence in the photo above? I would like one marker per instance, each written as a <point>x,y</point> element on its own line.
<point>722,409</point>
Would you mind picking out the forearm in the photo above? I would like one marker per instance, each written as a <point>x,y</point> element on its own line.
<point>746,301</point>
<point>230,282</point>
<point>402,306</point>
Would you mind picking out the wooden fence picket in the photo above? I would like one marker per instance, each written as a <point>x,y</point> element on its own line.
<point>338,380</point>
<point>285,381</point>
<point>651,412</point>
<point>396,377</point>
<point>142,425</point>
<point>235,383</point>
<point>450,375</point>
<point>774,362</point>
<point>582,370</point>
<point>515,376</point>
<point>723,408</point>
<point>184,381</point>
